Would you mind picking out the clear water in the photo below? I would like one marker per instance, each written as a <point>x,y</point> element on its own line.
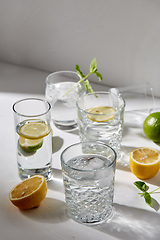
<point>109,132</point>
<point>89,190</point>
<point>63,110</point>
<point>38,162</point>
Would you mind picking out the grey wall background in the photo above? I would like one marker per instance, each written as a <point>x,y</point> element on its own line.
<point>52,35</point>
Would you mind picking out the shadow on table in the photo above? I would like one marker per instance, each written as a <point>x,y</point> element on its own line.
<point>123,161</point>
<point>57,143</point>
<point>56,184</point>
<point>130,223</point>
<point>50,211</point>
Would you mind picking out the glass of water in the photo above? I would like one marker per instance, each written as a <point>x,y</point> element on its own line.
<point>33,137</point>
<point>100,118</point>
<point>63,112</point>
<point>88,175</point>
<point>140,103</point>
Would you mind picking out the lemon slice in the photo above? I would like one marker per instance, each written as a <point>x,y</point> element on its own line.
<point>101,113</point>
<point>144,162</point>
<point>29,193</point>
<point>34,130</point>
<point>30,145</point>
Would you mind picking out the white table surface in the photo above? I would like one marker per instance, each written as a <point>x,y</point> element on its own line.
<point>133,219</point>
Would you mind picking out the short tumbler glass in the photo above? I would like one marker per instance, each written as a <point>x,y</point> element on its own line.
<point>33,137</point>
<point>108,128</point>
<point>88,175</point>
<point>63,112</point>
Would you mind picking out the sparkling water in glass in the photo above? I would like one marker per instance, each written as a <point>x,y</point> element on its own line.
<point>109,129</point>
<point>34,154</point>
<point>88,176</point>
<point>63,112</point>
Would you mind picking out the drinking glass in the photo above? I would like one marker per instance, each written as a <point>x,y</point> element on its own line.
<point>109,128</point>
<point>63,112</point>
<point>139,100</point>
<point>88,170</point>
<point>33,137</point>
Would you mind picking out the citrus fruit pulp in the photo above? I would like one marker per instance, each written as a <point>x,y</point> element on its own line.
<point>30,145</point>
<point>34,130</point>
<point>144,162</point>
<point>151,126</point>
<point>29,193</point>
<point>101,113</point>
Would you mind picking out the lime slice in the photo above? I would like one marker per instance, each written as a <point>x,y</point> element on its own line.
<point>101,113</point>
<point>34,130</point>
<point>30,145</point>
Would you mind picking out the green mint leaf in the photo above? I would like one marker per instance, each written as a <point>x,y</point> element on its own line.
<point>80,74</point>
<point>99,76</point>
<point>88,86</point>
<point>93,66</point>
<point>147,198</point>
<point>93,70</point>
<point>141,185</point>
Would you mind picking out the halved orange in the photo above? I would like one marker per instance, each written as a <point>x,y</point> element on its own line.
<point>144,162</point>
<point>101,113</point>
<point>29,193</point>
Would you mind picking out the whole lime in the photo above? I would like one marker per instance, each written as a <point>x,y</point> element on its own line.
<point>151,126</point>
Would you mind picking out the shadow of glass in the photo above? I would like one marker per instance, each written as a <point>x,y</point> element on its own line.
<point>56,184</point>
<point>123,161</point>
<point>135,118</point>
<point>50,211</point>
<point>130,223</point>
<point>57,143</point>
<point>75,132</point>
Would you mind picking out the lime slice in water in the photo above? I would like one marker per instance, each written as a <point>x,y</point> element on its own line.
<point>30,145</point>
<point>101,113</point>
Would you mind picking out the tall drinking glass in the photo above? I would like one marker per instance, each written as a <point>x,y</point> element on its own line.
<point>140,103</point>
<point>33,137</point>
<point>88,174</point>
<point>63,112</point>
<point>100,118</point>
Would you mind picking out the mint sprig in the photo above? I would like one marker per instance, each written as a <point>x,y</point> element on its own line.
<point>144,188</point>
<point>92,70</point>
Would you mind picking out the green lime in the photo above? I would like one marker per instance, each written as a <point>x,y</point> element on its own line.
<point>151,126</point>
<point>30,145</point>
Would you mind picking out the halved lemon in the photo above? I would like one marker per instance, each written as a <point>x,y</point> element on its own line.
<point>101,113</point>
<point>30,145</point>
<point>34,130</point>
<point>144,162</point>
<point>29,193</point>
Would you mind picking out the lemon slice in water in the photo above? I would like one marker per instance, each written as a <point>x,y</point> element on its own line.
<point>101,113</point>
<point>34,130</point>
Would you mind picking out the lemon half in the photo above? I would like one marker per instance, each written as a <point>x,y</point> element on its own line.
<point>29,193</point>
<point>144,162</point>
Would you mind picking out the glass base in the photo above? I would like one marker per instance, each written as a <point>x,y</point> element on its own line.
<point>66,125</point>
<point>27,173</point>
<point>89,221</point>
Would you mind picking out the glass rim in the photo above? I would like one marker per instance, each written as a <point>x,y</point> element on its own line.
<point>92,170</point>
<point>101,92</point>
<point>57,72</point>
<point>27,99</point>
